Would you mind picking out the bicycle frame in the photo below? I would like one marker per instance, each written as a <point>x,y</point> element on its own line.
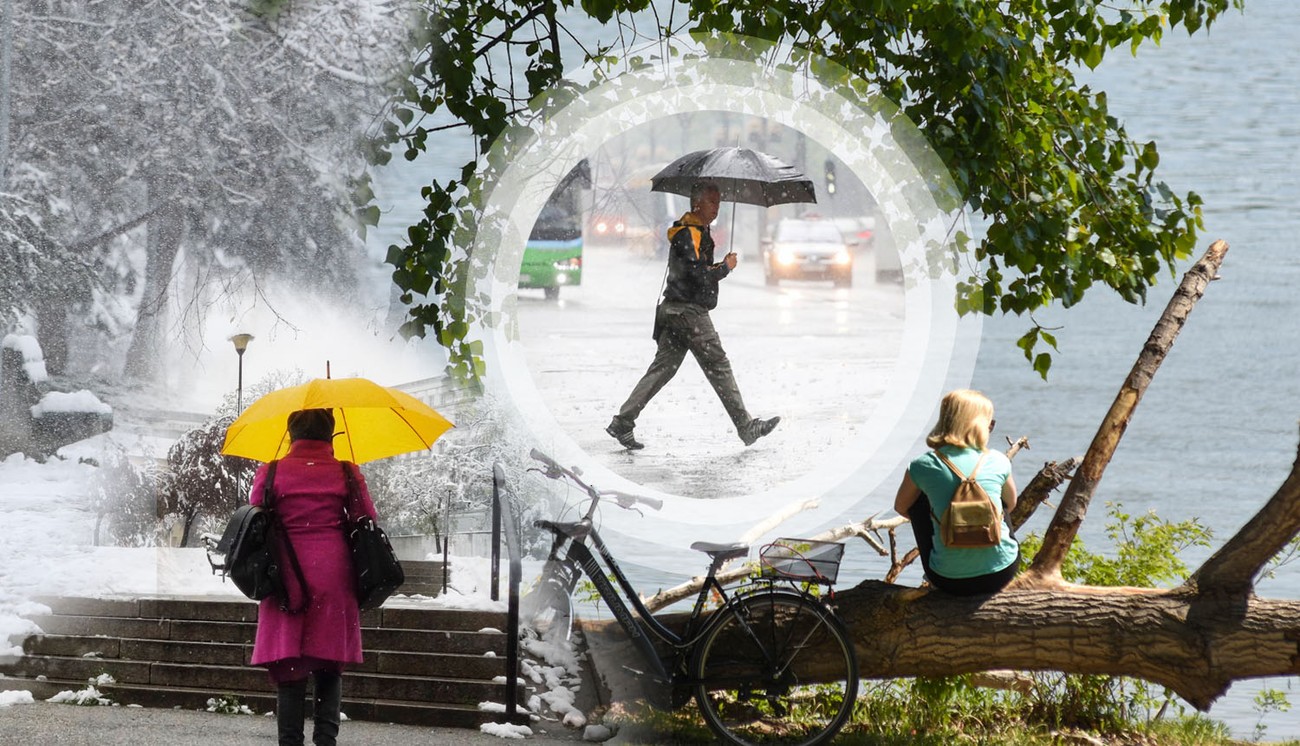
<point>638,625</point>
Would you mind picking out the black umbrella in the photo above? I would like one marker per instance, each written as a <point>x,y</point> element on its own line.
<point>742,175</point>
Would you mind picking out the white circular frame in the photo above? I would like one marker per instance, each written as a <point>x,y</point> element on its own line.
<point>873,140</point>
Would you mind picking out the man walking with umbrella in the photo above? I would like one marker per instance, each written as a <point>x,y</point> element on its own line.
<point>682,323</point>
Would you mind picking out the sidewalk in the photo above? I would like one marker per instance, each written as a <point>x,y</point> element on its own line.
<point>69,725</point>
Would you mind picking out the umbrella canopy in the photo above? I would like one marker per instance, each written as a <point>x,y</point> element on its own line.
<point>370,421</point>
<point>742,175</point>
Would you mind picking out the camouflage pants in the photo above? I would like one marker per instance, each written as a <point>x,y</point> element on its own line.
<point>686,327</point>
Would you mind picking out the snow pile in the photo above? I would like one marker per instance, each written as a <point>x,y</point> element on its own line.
<point>16,698</point>
<point>33,357</point>
<point>88,697</point>
<point>80,401</point>
<point>553,666</point>
<point>506,730</point>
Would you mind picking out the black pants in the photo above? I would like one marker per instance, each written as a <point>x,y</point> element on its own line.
<point>980,585</point>
<point>686,328</point>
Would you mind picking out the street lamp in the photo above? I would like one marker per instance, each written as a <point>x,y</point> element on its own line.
<point>241,343</point>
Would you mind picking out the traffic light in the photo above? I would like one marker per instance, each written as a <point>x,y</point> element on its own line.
<point>830,176</point>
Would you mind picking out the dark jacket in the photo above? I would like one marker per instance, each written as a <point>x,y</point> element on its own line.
<point>692,274</point>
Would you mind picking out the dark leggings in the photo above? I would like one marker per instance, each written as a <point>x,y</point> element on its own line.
<point>980,585</point>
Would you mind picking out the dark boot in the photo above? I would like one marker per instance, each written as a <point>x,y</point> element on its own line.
<point>756,428</point>
<point>329,700</point>
<point>290,706</point>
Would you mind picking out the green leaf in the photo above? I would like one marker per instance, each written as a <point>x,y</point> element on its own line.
<point>1042,363</point>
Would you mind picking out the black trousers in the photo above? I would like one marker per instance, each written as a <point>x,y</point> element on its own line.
<point>687,328</point>
<point>980,585</point>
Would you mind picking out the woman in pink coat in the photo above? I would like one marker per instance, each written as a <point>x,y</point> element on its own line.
<point>320,640</point>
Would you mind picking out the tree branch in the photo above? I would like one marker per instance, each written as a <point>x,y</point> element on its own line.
<point>1232,569</point>
<point>1046,568</point>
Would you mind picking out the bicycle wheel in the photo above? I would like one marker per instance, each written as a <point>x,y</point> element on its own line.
<point>547,607</point>
<point>778,668</point>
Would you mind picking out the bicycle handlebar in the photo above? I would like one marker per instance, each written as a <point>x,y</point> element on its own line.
<point>622,499</point>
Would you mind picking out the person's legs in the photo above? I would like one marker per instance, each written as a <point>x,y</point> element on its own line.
<point>328,702</point>
<point>706,346</point>
<point>923,530</point>
<point>981,585</point>
<point>290,708</point>
<point>668,359</point>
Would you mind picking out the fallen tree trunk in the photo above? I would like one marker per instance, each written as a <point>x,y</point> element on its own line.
<point>1195,640</point>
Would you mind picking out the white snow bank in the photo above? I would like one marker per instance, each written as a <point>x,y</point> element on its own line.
<point>506,730</point>
<point>20,697</point>
<point>78,401</point>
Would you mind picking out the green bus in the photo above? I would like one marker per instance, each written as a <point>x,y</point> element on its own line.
<point>553,253</point>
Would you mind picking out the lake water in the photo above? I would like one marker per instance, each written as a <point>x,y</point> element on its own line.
<point>1217,430</point>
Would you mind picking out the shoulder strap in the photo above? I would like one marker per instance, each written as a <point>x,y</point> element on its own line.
<point>268,498</point>
<point>268,494</point>
<point>353,504</point>
<point>957,471</point>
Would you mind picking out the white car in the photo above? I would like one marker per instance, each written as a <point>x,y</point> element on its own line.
<point>807,249</point>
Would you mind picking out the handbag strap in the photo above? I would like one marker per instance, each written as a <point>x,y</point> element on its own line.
<point>268,500</point>
<point>352,507</point>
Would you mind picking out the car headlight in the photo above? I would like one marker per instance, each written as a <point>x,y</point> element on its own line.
<point>842,257</point>
<point>601,227</point>
<point>572,264</point>
<point>785,257</point>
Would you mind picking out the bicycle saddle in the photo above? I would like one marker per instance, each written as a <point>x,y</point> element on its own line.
<point>723,552</point>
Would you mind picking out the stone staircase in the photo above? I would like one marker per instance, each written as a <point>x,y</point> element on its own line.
<point>422,666</point>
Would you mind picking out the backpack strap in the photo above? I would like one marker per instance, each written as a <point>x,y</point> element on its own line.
<point>268,498</point>
<point>957,471</point>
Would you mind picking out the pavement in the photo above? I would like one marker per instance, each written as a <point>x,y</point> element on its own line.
<point>44,723</point>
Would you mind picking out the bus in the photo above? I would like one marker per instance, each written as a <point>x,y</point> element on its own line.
<point>553,253</point>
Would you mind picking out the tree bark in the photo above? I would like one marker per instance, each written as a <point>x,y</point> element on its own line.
<point>166,229</point>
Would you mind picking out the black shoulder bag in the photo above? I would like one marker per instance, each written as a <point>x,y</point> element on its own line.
<point>249,550</point>
<point>376,571</point>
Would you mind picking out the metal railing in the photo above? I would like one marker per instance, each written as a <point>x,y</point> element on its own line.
<point>506,529</point>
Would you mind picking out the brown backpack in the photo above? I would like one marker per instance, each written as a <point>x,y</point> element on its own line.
<point>972,519</point>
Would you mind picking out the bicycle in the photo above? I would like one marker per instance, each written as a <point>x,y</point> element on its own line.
<point>772,664</point>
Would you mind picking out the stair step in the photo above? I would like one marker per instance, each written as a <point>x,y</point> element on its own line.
<point>439,688</point>
<point>398,613</point>
<point>110,649</point>
<point>422,665</point>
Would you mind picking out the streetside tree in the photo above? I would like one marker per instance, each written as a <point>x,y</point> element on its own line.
<point>223,131</point>
<point>1069,198</point>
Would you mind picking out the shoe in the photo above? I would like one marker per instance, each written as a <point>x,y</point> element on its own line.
<point>757,428</point>
<point>623,434</point>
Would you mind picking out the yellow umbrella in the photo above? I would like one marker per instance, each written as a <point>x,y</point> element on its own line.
<point>370,421</point>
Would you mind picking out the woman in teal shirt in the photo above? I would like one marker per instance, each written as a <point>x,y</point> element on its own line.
<point>961,434</point>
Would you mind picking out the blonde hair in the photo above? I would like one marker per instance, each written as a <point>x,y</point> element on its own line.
<point>965,417</point>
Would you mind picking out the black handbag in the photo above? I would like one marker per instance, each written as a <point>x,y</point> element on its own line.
<point>376,571</point>
<point>249,548</point>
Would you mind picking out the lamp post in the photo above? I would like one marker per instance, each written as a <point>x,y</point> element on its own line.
<point>241,343</point>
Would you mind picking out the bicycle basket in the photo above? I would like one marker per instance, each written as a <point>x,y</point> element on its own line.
<point>802,559</point>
